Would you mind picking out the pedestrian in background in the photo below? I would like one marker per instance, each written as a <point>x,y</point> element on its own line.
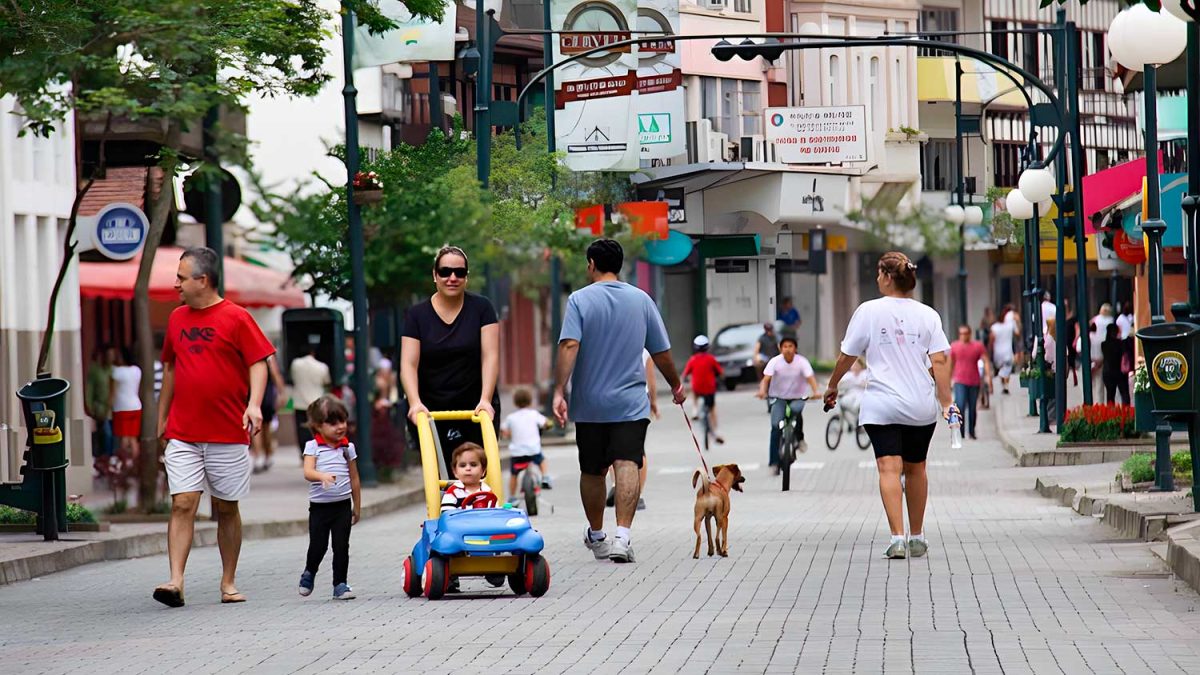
<point>97,400</point>
<point>903,343</point>
<point>965,356</point>
<point>766,347</point>
<point>983,335</point>
<point>1125,320</point>
<point>607,325</point>
<point>1004,333</point>
<point>214,377</point>
<point>310,380</point>
<point>1116,376</point>
<point>790,316</point>
<point>125,403</point>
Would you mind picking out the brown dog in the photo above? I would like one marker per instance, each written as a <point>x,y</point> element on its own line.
<point>712,501</point>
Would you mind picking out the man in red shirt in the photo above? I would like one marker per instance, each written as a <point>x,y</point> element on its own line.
<point>214,375</point>
<point>705,371</point>
<point>965,355</point>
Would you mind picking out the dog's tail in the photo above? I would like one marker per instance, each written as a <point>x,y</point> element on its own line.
<point>703,478</point>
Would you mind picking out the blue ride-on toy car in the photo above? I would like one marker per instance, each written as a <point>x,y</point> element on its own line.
<point>478,540</point>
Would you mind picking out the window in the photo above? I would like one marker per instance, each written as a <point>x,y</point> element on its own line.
<point>743,6</point>
<point>1098,77</point>
<point>937,21</point>
<point>1000,39</point>
<point>733,106</point>
<point>937,165</point>
<point>835,80</point>
<point>874,96</point>
<point>751,108</point>
<point>1029,49</point>
<point>1006,163</point>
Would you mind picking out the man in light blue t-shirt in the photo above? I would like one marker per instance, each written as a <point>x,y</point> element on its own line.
<point>607,325</point>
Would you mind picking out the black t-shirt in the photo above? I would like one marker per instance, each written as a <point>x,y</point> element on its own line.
<point>1112,350</point>
<point>450,374</point>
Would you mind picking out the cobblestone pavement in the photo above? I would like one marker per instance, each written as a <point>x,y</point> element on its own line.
<point>1012,584</point>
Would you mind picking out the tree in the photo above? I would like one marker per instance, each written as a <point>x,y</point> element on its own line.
<point>164,63</point>
<point>430,197</point>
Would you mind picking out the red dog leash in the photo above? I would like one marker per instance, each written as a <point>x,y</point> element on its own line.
<point>696,442</point>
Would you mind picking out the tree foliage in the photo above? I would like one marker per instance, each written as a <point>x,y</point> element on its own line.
<point>920,229</point>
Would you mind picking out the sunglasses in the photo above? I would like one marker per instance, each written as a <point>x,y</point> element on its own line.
<point>445,272</point>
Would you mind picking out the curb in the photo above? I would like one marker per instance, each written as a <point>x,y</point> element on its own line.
<point>155,543</point>
<point>1147,523</point>
<point>1064,455</point>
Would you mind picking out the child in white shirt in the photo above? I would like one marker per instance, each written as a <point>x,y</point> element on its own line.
<point>524,427</point>
<point>334,493</point>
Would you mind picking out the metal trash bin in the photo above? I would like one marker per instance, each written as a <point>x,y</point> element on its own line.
<point>1171,352</point>
<point>43,403</point>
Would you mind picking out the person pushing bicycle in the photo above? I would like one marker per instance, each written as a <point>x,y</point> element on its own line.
<point>788,379</point>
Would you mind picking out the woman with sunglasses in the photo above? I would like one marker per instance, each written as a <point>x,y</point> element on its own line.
<point>450,352</point>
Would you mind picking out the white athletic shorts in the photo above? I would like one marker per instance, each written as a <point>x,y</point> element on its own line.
<point>221,468</point>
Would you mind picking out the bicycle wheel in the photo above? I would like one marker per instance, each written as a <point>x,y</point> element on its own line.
<point>529,492</point>
<point>787,455</point>
<point>833,432</point>
<point>862,438</point>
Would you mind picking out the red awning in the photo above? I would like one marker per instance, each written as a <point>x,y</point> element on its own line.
<point>1106,188</point>
<point>245,284</point>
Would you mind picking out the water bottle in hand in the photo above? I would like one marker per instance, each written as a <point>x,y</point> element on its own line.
<point>955,421</point>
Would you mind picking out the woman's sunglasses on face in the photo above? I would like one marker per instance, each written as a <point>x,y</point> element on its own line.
<point>445,272</point>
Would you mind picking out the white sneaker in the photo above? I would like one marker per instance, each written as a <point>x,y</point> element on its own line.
<point>600,549</point>
<point>621,551</point>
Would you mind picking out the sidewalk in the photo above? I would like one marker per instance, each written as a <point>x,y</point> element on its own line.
<point>277,506</point>
<point>1086,480</point>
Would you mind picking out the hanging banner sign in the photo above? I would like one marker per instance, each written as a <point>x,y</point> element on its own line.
<point>661,103</point>
<point>818,135</point>
<point>595,116</point>
<point>412,40</point>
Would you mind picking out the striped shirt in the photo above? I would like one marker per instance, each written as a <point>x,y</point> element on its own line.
<point>334,460</point>
<point>456,491</point>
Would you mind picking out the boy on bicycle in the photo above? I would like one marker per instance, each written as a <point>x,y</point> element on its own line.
<point>524,428</point>
<point>705,372</point>
<point>788,379</point>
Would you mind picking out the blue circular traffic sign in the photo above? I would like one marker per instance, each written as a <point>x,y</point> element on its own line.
<point>120,231</point>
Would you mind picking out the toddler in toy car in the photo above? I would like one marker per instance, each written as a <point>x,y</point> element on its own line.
<point>469,465</point>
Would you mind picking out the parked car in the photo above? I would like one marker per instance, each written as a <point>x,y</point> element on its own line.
<point>734,349</point>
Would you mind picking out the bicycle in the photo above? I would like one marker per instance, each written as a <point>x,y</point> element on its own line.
<point>843,422</point>
<point>789,443</point>
<point>705,421</point>
<point>529,485</point>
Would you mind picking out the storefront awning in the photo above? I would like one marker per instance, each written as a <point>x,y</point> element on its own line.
<point>1107,188</point>
<point>245,284</point>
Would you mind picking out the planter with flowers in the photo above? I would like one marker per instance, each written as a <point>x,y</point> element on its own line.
<point>368,189</point>
<point>1030,373</point>
<point>1101,423</point>
<point>1143,402</point>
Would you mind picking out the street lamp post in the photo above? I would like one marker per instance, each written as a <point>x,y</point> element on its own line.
<point>960,181</point>
<point>1189,12</point>
<point>1129,46</point>
<point>358,280</point>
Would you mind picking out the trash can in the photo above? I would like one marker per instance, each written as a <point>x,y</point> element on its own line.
<point>1171,352</point>
<point>43,403</point>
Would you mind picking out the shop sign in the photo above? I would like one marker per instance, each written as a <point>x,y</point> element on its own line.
<point>818,135</point>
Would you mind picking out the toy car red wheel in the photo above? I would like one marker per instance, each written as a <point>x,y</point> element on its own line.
<point>516,581</point>
<point>436,578</point>
<point>537,575</point>
<point>412,580</point>
<point>479,500</point>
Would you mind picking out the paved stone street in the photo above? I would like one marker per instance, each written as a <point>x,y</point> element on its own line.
<point>1013,584</point>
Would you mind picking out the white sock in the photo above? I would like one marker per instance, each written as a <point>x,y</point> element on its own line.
<point>623,533</point>
<point>897,539</point>
<point>594,535</point>
<point>919,536</point>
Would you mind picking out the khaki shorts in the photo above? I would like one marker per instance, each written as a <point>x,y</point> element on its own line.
<point>221,468</point>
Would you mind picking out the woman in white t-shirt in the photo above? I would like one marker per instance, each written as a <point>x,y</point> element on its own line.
<point>902,342</point>
<point>125,402</point>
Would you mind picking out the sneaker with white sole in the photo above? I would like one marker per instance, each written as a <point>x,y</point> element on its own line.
<point>343,592</point>
<point>917,548</point>
<point>306,583</point>
<point>621,551</point>
<point>896,551</point>
<point>600,548</point>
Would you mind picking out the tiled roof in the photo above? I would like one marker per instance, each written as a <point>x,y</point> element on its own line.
<point>122,184</point>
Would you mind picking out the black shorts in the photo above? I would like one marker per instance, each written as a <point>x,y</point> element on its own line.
<point>910,443</point>
<point>710,400</point>
<point>602,443</point>
<point>517,464</point>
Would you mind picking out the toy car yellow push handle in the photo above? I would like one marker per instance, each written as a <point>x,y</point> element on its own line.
<point>429,460</point>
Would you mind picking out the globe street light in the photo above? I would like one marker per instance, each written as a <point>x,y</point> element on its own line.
<point>973,216</point>
<point>1036,185</point>
<point>1018,205</point>
<point>1130,46</point>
